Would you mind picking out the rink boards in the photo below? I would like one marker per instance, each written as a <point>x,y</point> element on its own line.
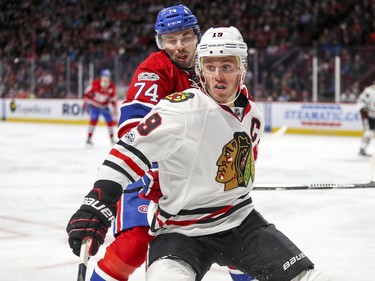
<point>304,118</point>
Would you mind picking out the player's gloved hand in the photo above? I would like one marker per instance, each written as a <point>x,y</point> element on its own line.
<point>83,225</point>
<point>92,219</point>
<point>151,188</point>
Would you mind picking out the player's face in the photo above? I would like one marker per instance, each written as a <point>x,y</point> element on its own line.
<point>104,82</point>
<point>180,46</point>
<point>222,76</point>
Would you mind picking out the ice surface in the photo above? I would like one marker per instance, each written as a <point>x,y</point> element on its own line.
<point>46,170</point>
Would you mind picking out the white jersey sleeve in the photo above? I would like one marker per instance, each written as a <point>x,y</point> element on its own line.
<point>157,136</point>
<point>366,100</point>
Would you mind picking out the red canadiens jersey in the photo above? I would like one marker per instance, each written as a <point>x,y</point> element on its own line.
<point>98,96</point>
<point>155,78</point>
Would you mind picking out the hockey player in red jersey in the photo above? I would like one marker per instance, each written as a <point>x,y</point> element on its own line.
<point>97,98</point>
<point>366,107</point>
<point>164,72</point>
<point>172,69</point>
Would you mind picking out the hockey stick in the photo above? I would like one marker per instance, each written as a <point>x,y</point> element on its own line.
<point>84,257</point>
<point>277,133</point>
<point>370,184</point>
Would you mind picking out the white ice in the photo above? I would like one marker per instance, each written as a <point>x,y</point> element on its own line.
<point>46,170</point>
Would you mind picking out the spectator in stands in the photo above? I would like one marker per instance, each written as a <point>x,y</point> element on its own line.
<point>82,30</point>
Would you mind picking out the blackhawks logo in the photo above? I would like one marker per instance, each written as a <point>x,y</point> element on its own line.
<point>236,162</point>
<point>179,96</point>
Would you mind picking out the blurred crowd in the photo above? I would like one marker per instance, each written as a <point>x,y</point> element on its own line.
<point>283,34</point>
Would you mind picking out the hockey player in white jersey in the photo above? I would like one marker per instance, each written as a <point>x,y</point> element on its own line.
<point>205,143</point>
<point>366,107</point>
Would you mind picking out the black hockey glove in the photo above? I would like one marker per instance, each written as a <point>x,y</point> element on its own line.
<point>94,217</point>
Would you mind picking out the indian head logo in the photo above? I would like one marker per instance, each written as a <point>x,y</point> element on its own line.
<point>236,162</point>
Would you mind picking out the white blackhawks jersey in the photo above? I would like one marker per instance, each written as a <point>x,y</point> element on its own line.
<point>206,161</point>
<point>366,100</point>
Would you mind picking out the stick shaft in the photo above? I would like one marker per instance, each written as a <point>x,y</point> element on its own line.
<point>84,257</point>
<point>371,184</point>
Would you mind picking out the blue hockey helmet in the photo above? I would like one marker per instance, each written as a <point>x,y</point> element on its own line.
<point>105,73</point>
<point>173,19</point>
